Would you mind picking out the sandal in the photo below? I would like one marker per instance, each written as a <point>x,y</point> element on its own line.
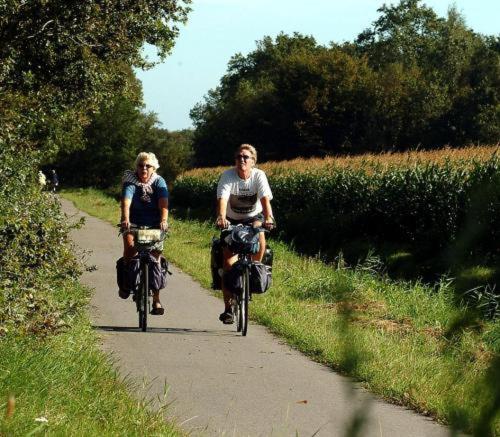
<point>157,311</point>
<point>227,317</point>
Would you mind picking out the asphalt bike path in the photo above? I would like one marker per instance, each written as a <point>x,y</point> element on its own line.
<point>218,383</point>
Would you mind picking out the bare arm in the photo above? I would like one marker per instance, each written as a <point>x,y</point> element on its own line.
<point>267,211</point>
<point>125,212</point>
<point>163,206</point>
<point>221,221</point>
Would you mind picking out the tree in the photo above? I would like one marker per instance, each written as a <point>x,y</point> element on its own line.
<point>116,134</point>
<point>412,79</point>
<point>60,60</point>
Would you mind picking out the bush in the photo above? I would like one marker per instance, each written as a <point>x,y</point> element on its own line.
<point>37,263</point>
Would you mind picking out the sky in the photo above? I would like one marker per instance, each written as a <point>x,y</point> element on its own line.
<point>218,29</point>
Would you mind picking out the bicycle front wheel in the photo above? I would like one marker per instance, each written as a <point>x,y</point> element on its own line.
<point>235,305</point>
<point>144,297</point>
<point>245,297</point>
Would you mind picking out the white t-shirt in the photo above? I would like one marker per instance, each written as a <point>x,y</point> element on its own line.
<point>243,194</point>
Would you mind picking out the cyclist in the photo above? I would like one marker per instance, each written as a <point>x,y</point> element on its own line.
<point>54,179</point>
<point>144,202</point>
<point>243,196</point>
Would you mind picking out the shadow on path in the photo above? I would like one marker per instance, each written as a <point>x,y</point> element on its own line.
<point>153,330</point>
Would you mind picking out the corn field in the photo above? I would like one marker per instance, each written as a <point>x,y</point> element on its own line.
<point>442,205</point>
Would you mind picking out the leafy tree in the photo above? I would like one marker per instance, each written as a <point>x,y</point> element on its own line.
<point>173,149</point>
<point>116,134</point>
<point>278,98</point>
<point>404,33</point>
<point>411,79</point>
<point>60,60</point>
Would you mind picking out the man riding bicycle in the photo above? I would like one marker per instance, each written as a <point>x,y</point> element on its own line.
<point>243,197</point>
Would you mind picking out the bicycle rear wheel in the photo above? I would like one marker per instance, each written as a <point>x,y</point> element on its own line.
<point>245,297</point>
<point>144,297</point>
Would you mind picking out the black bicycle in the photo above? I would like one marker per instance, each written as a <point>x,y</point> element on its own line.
<point>243,241</point>
<point>144,241</point>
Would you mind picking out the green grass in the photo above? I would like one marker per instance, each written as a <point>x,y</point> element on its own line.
<point>63,385</point>
<point>54,380</point>
<point>407,343</point>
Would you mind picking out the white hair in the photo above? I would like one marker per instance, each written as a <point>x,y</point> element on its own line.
<point>147,157</point>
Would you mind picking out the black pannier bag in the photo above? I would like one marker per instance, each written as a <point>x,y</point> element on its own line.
<point>216,263</point>
<point>268,257</point>
<point>128,275</point>
<point>260,277</point>
<point>233,279</point>
<point>158,273</point>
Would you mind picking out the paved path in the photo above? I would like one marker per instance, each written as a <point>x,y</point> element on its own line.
<point>220,383</point>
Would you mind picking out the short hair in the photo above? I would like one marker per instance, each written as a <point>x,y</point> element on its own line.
<point>149,157</point>
<point>250,148</point>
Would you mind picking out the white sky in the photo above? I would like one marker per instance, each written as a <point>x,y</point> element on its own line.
<point>218,29</point>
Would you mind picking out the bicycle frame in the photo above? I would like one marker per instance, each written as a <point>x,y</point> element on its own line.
<point>144,247</point>
<point>143,297</point>
<point>240,302</point>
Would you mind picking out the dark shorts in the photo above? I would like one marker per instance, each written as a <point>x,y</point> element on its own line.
<point>247,221</point>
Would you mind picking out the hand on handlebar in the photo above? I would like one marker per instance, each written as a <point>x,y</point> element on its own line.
<point>269,223</point>
<point>164,225</point>
<point>222,222</point>
<point>125,225</point>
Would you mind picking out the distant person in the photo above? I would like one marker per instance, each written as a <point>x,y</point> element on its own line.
<point>243,196</point>
<point>42,180</point>
<point>144,202</point>
<point>54,180</point>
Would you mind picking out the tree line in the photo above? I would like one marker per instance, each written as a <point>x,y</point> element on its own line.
<point>413,79</point>
<point>68,94</point>
<point>61,63</point>
<point>114,136</point>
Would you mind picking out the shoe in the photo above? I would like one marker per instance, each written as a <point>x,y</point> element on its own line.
<point>124,294</point>
<point>157,311</point>
<point>227,317</point>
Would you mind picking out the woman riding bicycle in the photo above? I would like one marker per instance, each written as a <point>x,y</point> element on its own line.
<point>144,202</point>
<point>243,197</point>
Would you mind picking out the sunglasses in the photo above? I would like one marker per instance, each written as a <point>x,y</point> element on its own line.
<point>244,157</point>
<point>148,166</point>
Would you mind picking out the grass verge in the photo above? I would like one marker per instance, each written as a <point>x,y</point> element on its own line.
<point>63,385</point>
<point>406,343</point>
<point>53,378</point>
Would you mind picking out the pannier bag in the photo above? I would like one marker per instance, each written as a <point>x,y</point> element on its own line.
<point>268,257</point>
<point>233,279</point>
<point>216,263</point>
<point>128,275</point>
<point>260,277</point>
<point>243,239</point>
<point>158,273</point>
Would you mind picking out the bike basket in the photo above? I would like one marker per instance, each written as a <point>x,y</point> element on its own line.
<point>147,236</point>
<point>243,239</point>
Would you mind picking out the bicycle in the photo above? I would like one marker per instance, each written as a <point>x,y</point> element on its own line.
<point>144,240</point>
<point>243,241</point>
